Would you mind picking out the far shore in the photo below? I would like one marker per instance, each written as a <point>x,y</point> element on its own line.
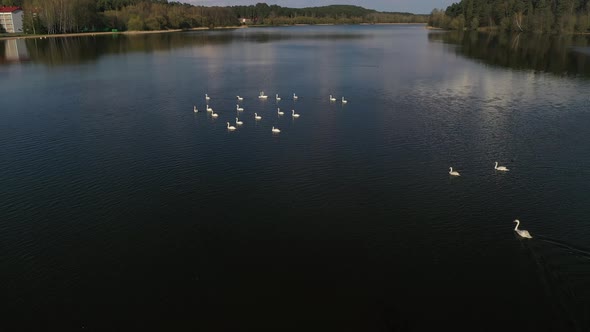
<point>327,24</point>
<point>82,34</point>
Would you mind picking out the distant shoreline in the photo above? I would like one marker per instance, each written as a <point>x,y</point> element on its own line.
<point>326,24</point>
<point>85,34</point>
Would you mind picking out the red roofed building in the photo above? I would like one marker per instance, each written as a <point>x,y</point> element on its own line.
<point>11,19</point>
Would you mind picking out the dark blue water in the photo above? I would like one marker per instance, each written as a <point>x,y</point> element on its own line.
<point>121,209</point>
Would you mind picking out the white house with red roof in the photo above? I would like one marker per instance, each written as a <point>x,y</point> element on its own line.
<point>11,19</point>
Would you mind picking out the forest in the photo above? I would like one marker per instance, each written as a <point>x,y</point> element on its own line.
<point>70,16</point>
<point>539,16</point>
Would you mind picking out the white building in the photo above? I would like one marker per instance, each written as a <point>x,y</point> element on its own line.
<point>11,19</point>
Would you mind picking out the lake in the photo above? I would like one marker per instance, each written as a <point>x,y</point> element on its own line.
<point>121,209</point>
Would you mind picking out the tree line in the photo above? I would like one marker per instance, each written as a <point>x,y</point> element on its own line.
<point>540,16</point>
<point>67,16</point>
<point>262,13</point>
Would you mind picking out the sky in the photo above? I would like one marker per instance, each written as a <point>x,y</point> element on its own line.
<point>410,6</point>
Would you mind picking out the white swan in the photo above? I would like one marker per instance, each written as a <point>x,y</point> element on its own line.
<point>295,115</point>
<point>275,130</point>
<point>262,96</point>
<point>295,97</point>
<point>195,109</point>
<point>207,97</point>
<point>240,98</point>
<point>277,97</point>
<point>230,127</point>
<point>209,109</point>
<point>522,233</point>
<point>214,115</point>
<point>500,168</point>
<point>454,173</point>
<point>239,108</point>
<point>344,101</point>
<point>238,122</point>
<point>332,98</point>
<point>257,117</point>
<point>280,112</point>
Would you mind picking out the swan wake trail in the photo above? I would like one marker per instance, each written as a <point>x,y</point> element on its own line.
<point>582,252</point>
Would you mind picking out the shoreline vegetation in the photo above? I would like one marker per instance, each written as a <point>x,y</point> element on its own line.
<point>59,17</point>
<point>537,16</point>
<point>102,33</point>
<point>135,32</point>
<point>67,18</point>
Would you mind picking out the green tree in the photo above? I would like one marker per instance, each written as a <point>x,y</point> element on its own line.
<point>458,23</point>
<point>135,23</point>
<point>62,16</point>
<point>469,11</point>
<point>542,16</point>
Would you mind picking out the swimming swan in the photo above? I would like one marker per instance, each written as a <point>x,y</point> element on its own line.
<point>280,112</point>
<point>454,173</point>
<point>238,122</point>
<point>239,108</point>
<point>240,98</point>
<point>295,115</point>
<point>295,97</point>
<point>344,101</point>
<point>522,233</point>
<point>257,117</point>
<point>230,127</point>
<point>207,97</point>
<point>214,115</point>
<point>262,96</point>
<point>277,97</point>
<point>275,130</point>
<point>332,98</point>
<point>195,109</point>
<point>209,109</point>
<point>500,168</point>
